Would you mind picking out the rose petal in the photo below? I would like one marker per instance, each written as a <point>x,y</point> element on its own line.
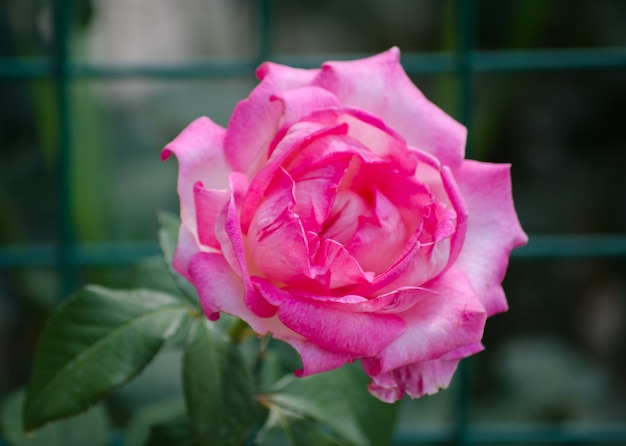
<point>315,192</point>
<point>358,334</point>
<point>379,85</point>
<point>417,380</point>
<point>255,120</point>
<point>334,262</point>
<point>277,243</point>
<point>299,103</point>
<point>439,324</point>
<point>493,229</point>
<point>386,224</point>
<point>221,289</point>
<point>228,232</point>
<point>298,137</point>
<point>199,150</point>
<point>208,204</point>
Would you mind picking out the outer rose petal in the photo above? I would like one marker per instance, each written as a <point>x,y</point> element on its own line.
<point>199,149</point>
<point>255,120</point>
<point>209,203</point>
<point>220,289</point>
<point>437,325</point>
<point>493,229</point>
<point>357,334</point>
<point>423,378</point>
<point>379,85</point>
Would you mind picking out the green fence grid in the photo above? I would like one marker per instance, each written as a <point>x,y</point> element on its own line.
<point>67,255</point>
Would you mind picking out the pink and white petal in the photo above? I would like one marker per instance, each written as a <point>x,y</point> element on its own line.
<point>438,324</point>
<point>296,138</point>
<point>316,359</point>
<point>255,120</point>
<point>228,233</point>
<point>299,103</point>
<point>378,137</point>
<point>277,242</point>
<point>357,334</point>
<point>385,231</point>
<point>493,229</point>
<point>199,149</point>
<point>209,203</point>
<point>334,261</point>
<point>315,192</point>
<point>417,380</point>
<point>221,289</point>
<point>380,85</point>
<point>186,248</point>
<point>343,221</point>
<point>395,302</point>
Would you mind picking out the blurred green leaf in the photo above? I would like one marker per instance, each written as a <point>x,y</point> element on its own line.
<point>88,428</point>
<point>141,425</point>
<point>286,428</point>
<point>176,431</point>
<point>218,388</point>
<point>340,400</point>
<point>168,239</point>
<point>97,340</point>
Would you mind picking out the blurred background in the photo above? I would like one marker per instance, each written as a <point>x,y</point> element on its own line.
<point>80,164</point>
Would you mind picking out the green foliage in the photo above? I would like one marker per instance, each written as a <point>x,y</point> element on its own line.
<point>99,339</point>
<point>340,401</point>
<point>218,388</point>
<point>88,428</point>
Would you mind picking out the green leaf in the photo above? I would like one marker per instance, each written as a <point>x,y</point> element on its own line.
<point>89,428</point>
<point>218,387</point>
<point>286,428</point>
<point>151,422</point>
<point>176,431</point>
<point>339,400</point>
<point>95,341</point>
<point>169,226</point>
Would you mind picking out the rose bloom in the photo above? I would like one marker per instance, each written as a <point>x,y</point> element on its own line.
<point>337,212</point>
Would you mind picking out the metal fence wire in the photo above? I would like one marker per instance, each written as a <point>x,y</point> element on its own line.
<point>67,255</point>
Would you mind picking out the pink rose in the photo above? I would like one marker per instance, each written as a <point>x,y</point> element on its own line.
<point>337,212</point>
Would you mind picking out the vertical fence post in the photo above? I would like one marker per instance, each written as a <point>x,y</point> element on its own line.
<point>466,17</point>
<point>65,232</point>
<point>265,24</point>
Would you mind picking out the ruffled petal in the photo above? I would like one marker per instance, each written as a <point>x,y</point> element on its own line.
<point>493,229</point>
<point>296,138</point>
<point>228,233</point>
<point>438,324</point>
<point>357,334</point>
<point>255,120</point>
<point>299,103</point>
<point>200,154</point>
<point>422,378</point>
<point>315,192</point>
<point>380,85</point>
<point>221,289</point>
<point>277,243</point>
<point>385,230</point>
<point>208,203</point>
